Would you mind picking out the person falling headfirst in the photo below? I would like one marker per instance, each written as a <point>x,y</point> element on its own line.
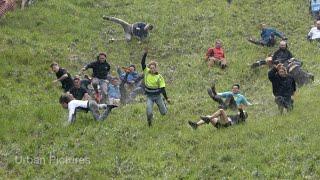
<point>139,29</point>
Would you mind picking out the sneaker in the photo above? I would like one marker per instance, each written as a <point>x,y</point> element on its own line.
<point>106,17</point>
<point>111,106</point>
<point>193,125</point>
<point>205,119</point>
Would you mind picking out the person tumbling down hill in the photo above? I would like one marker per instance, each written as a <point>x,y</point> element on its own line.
<point>78,92</point>
<point>63,76</point>
<point>283,87</point>
<point>268,36</point>
<point>139,29</point>
<point>154,87</point>
<point>230,99</point>
<point>220,119</point>
<point>216,55</point>
<point>73,105</point>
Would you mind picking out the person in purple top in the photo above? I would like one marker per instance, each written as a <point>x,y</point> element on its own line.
<point>139,29</point>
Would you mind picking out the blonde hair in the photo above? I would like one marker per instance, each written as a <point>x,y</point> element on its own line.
<point>152,63</point>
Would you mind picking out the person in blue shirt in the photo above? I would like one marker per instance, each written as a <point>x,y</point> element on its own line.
<point>268,36</point>
<point>139,29</point>
<point>114,92</point>
<point>230,99</point>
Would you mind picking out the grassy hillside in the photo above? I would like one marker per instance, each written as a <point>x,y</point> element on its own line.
<point>35,141</point>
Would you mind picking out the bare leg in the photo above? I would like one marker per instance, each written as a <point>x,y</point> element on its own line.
<point>220,114</point>
<point>125,25</point>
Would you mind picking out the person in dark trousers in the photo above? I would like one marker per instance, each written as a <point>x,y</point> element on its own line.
<point>72,105</point>
<point>100,69</point>
<point>154,87</point>
<point>63,76</point>
<point>78,92</point>
<point>268,36</point>
<point>220,119</point>
<point>283,87</point>
<point>282,55</point>
<point>139,29</point>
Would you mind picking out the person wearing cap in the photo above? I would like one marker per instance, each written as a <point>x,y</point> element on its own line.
<point>63,76</point>
<point>154,86</point>
<point>268,36</point>
<point>230,99</point>
<point>216,55</point>
<point>78,92</point>
<point>220,119</point>
<point>100,69</point>
<point>129,79</point>
<point>139,29</point>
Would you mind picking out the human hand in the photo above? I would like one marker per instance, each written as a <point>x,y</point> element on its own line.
<point>55,81</point>
<point>169,101</point>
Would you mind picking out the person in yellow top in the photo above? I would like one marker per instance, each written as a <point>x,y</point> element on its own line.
<point>154,87</point>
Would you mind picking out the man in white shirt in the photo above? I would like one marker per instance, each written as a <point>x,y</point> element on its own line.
<point>314,33</point>
<point>73,105</point>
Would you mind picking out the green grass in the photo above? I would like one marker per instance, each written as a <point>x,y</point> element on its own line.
<point>33,124</point>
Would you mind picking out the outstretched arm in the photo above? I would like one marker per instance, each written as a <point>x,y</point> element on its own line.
<point>143,60</point>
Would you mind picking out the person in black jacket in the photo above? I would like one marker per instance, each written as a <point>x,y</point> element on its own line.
<point>282,55</point>
<point>63,76</point>
<point>283,87</point>
<point>100,69</point>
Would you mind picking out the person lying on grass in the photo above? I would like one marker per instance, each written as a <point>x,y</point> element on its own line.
<point>220,119</point>
<point>73,105</point>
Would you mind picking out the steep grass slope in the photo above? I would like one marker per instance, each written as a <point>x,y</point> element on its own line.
<point>36,142</point>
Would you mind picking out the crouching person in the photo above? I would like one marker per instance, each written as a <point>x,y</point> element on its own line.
<point>72,105</point>
<point>220,119</point>
<point>283,87</point>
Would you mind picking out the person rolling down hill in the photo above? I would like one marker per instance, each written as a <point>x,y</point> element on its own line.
<point>220,119</point>
<point>233,98</point>
<point>73,105</point>
<point>154,87</point>
<point>283,87</point>
<point>63,76</point>
<point>139,29</point>
<point>268,36</point>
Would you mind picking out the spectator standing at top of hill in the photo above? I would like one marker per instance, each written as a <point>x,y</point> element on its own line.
<point>154,87</point>
<point>139,29</point>
<point>220,119</point>
<point>282,55</point>
<point>89,105</point>
<point>314,33</point>
<point>268,36</point>
<point>233,99</point>
<point>63,76</point>
<point>100,69</point>
<point>78,92</point>
<point>283,87</point>
<point>216,55</point>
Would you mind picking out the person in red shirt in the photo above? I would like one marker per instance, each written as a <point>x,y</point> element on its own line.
<point>216,55</point>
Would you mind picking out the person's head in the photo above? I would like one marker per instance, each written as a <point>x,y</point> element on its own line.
<point>263,26</point>
<point>218,43</point>
<point>64,100</point>
<point>114,81</point>
<point>102,57</point>
<point>282,71</point>
<point>318,24</point>
<point>77,81</point>
<point>153,67</point>
<point>235,88</point>
<point>283,45</point>
<point>55,67</point>
<point>148,27</point>
<point>132,68</point>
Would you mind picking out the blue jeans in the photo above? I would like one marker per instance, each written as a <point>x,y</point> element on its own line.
<point>151,99</point>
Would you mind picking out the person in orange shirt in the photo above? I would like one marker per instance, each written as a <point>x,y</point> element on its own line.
<point>216,55</point>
